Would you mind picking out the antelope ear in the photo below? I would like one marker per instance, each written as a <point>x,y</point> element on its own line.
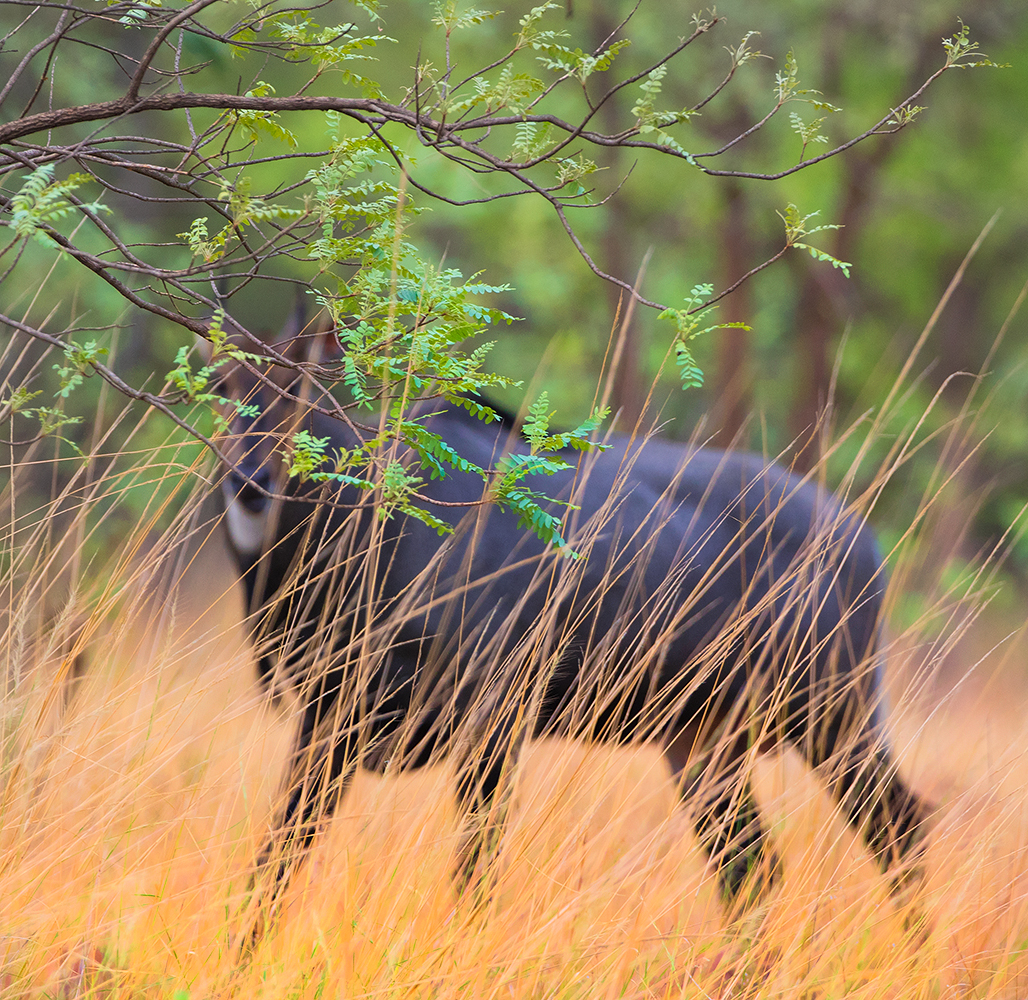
<point>320,339</point>
<point>314,340</point>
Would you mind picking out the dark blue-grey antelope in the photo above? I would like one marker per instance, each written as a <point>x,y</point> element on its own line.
<point>719,605</point>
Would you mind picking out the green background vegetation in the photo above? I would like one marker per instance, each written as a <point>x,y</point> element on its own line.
<point>912,205</point>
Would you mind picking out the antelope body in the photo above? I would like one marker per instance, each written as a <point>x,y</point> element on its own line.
<point>720,605</point>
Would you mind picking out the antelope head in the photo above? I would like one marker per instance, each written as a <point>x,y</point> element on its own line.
<point>263,407</point>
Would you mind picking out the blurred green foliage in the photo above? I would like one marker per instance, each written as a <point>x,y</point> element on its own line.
<point>912,204</point>
<point>925,195</point>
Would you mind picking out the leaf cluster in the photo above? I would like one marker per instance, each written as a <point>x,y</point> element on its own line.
<point>41,200</point>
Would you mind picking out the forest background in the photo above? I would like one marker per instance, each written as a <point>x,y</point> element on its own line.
<point>910,205</point>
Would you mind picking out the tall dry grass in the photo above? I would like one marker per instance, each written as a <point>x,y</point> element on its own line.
<point>132,814</point>
<point>137,792</point>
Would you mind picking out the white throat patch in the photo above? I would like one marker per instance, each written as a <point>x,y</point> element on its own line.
<point>245,528</point>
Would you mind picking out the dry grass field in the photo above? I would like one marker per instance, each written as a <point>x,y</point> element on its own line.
<point>132,812</point>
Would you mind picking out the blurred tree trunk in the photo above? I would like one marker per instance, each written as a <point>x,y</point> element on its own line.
<point>628,393</point>
<point>618,256</point>
<point>733,372</point>
<point>819,314</point>
<point>826,298</point>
